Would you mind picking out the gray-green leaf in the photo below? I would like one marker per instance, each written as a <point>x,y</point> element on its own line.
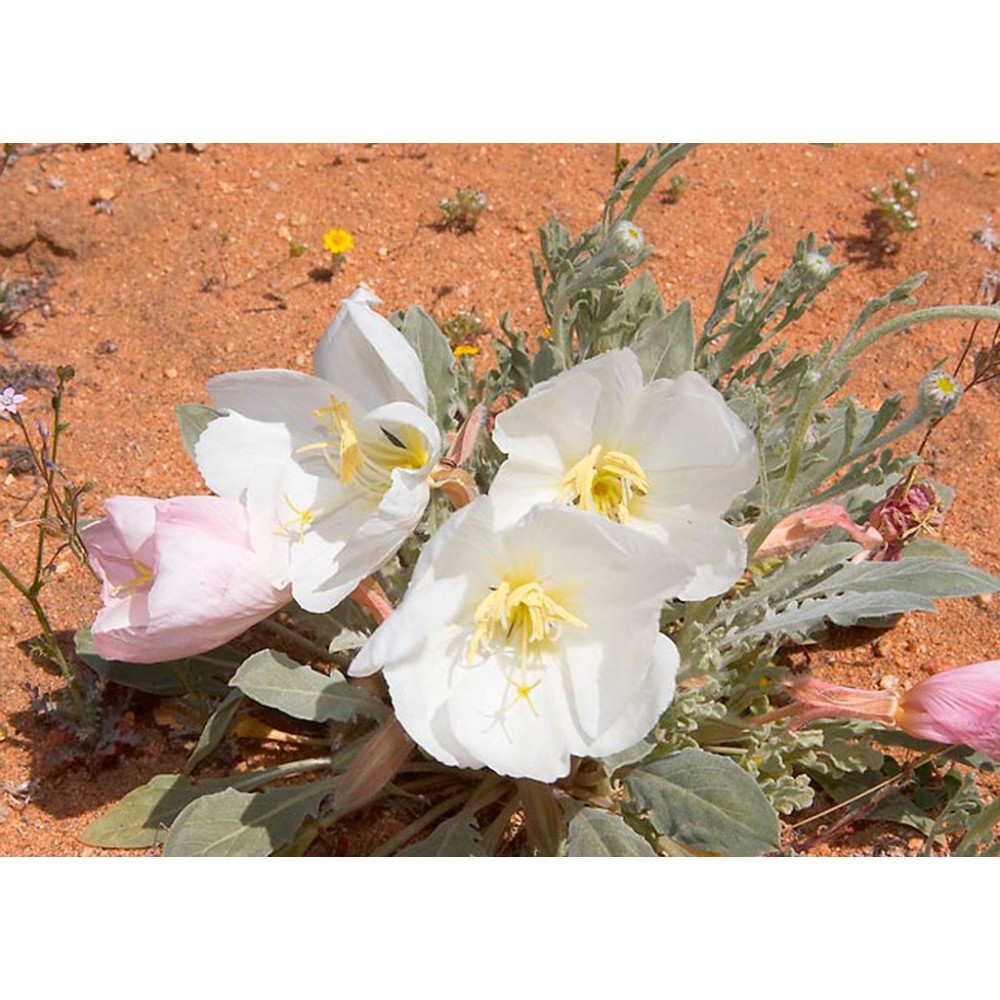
<point>597,833</point>
<point>142,817</point>
<point>205,673</point>
<point>215,729</point>
<point>193,419</point>
<point>244,824</point>
<point>435,355</point>
<point>275,680</point>
<point>665,347</point>
<point>454,838</point>
<point>706,802</point>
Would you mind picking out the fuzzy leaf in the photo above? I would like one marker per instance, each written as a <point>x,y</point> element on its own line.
<point>547,363</point>
<point>215,729</point>
<point>275,680</point>
<point>866,592</point>
<point>705,802</point>
<point>206,673</point>
<point>543,818</point>
<point>193,418</point>
<point>597,833</point>
<point>142,817</point>
<point>454,838</point>
<point>435,355</point>
<point>665,348</point>
<point>244,824</point>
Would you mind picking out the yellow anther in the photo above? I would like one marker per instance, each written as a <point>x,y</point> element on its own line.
<point>605,484</point>
<point>143,577</point>
<point>520,618</point>
<point>337,416</point>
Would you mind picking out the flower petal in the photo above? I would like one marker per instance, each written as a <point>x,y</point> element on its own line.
<point>364,353</point>
<point>693,448</point>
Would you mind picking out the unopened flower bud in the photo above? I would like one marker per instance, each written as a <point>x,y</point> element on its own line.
<point>817,268</point>
<point>939,393</point>
<point>625,239</point>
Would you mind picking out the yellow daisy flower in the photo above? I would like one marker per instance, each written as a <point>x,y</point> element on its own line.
<point>338,241</point>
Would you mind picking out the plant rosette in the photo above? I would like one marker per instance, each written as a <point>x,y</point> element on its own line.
<point>333,468</point>
<point>517,646</point>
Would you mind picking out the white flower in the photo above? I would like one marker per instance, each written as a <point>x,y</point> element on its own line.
<point>515,647</point>
<point>333,469</point>
<point>667,458</point>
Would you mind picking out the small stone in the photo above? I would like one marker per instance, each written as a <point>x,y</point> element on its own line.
<point>105,194</point>
<point>170,373</point>
<point>983,601</point>
<point>300,359</point>
<point>383,251</point>
<point>31,188</point>
<point>63,567</point>
<point>230,347</point>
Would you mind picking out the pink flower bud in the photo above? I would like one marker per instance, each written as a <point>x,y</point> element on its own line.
<point>806,527</point>
<point>178,577</point>
<point>956,706</point>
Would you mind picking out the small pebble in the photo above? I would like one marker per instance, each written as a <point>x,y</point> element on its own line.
<point>170,373</point>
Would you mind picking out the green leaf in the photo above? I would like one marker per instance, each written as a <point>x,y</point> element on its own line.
<point>206,673</point>
<point>545,821</point>
<point>980,831</point>
<point>275,680</point>
<point>435,355</point>
<point>215,729</point>
<point>862,593</point>
<point>597,833</point>
<point>244,824</point>
<point>548,362</point>
<point>346,640</point>
<point>706,802</point>
<point>630,755</point>
<point>143,816</point>
<point>665,347</point>
<point>454,838</point>
<point>193,419</point>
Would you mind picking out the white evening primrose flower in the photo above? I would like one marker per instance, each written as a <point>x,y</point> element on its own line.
<point>667,458</point>
<point>332,468</point>
<point>518,646</point>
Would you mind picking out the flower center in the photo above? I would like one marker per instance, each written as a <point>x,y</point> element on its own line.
<point>337,419</point>
<point>522,618</point>
<point>606,482</point>
<point>143,577</point>
<point>362,460</point>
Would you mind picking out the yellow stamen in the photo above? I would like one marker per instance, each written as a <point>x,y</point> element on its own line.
<point>337,416</point>
<point>605,484</point>
<point>521,618</point>
<point>143,577</point>
<point>302,520</point>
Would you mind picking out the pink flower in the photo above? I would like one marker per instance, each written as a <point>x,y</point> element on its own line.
<point>956,706</point>
<point>178,577</point>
